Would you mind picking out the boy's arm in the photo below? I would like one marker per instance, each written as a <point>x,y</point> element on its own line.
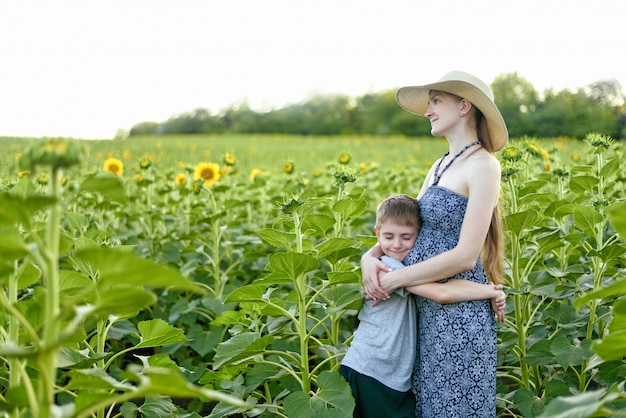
<point>456,291</point>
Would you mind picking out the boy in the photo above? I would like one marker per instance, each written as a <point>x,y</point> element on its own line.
<point>379,362</point>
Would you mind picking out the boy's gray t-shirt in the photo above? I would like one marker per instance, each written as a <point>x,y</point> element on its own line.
<point>385,342</point>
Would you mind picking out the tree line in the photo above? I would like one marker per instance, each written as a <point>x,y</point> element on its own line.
<point>598,107</point>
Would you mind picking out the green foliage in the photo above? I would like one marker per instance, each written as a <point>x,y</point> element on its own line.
<point>561,250</point>
<point>243,294</point>
<point>61,298</point>
<point>597,107</point>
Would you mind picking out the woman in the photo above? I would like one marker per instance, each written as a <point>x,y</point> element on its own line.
<point>455,371</point>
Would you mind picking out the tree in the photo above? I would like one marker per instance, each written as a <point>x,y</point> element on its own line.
<point>517,100</point>
<point>573,114</point>
<point>144,128</point>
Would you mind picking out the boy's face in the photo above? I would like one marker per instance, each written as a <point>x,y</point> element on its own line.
<point>396,240</point>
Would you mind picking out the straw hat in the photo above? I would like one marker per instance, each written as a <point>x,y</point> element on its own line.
<point>415,100</point>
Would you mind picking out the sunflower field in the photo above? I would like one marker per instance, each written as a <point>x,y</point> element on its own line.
<point>214,276</point>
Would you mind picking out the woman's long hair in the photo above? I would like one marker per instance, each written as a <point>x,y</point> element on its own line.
<point>493,249</point>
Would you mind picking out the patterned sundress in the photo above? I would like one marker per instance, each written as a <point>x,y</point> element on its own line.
<point>455,369</point>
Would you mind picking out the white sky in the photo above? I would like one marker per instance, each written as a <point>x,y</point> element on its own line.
<point>87,68</point>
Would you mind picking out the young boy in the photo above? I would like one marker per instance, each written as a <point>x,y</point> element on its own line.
<point>379,362</point>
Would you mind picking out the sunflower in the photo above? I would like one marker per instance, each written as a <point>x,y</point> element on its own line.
<point>209,172</point>
<point>229,159</point>
<point>114,166</point>
<point>288,168</point>
<point>254,173</point>
<point>344,158</point>
<point>145,163</point>
<point>181,180</point>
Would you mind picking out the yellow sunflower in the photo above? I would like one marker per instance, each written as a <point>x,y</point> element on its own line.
<point>114,166</point>
<point>344,158</point>
<point>229,159</point>
<point>209,172</point>
<point>181,180</point>
<point>145,163</point>
<point>254,173</point>
<point>288,168</point>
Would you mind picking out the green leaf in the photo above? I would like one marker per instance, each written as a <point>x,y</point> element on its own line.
<point>31,275</point>
<point>319,223</point>
<point>337,277</point>
<point>349,207</point>
<point>520,221</point>
<point>107,185</point>
<point>527,403</point>
<point>151,407</point>
<point>250,293</point>
<point>120,267</point>
<point>540,355</point>
<point>586,218</point>
<point>152,381</point>
<point>612,347</point>
<point>562,210</point>
<point>610,168</point>
<point>240,347</point>
<point>12,244</point>
<point>582,184</point>
<point>203,340</point>
<point>617,288</point>
<point>342,297</point>
<point>14,208</point>
<point>291,265</point>
<point>583,405</point>
<point>277,238</point>
<point>616,213</point>
<point>78,359</point>
<point>157,333</point>
<point>333,399</point>
<point>164,382</point>
<point>333,245</point>
<point>123,301</point>
<point>568,354</point>
<point>95,379</point>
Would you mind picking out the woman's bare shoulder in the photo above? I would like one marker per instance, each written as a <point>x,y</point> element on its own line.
<point>483,160</point>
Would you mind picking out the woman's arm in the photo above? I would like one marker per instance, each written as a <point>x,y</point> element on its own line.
<point>456,291</point>
<point>461,291</point>
<point>370,267</point>
<point>483,185</point>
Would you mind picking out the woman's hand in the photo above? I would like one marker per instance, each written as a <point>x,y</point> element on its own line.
<point>370,267</point>
<point>498,303</point>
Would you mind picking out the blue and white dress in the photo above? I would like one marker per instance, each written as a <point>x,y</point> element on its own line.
<point>455,369</point>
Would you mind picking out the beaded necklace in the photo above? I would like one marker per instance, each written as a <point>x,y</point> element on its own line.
<point>438,174</point>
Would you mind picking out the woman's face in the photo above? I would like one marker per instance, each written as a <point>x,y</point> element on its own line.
<point>443,111</point>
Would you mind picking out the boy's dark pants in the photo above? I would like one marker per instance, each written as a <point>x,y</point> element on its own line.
<point>375,400</point>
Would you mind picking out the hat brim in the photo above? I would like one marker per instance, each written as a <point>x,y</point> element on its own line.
<point>415,99</point>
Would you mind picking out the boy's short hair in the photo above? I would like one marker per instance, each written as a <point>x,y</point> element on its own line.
<point>400,209</point>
